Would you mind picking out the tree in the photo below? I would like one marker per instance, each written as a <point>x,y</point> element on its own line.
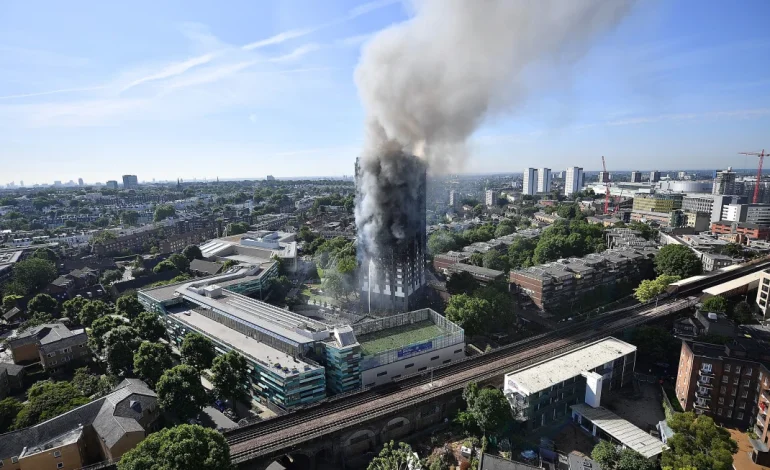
<point>606,454</point>
<point>180,261</point>
<point>442,241</point>
<point>742,313</point>
<point>92,310</point>
<point>505,227</point>
<point>163,211</point>
<point>632,460</point>
<point>491,410</point>
<point>128,306</point>
<point>192,252</point>
<point>10,301</point>
<point>151,360</point>
<point>165,265</point>
<point>31,275</point>
<point>149,326</point>
<point>477,259</point>
<point>9,409</point>
<point>229,373</point>
<point>655,343</point>
<point>461,283</point>
<point>333,284</point>
<point>181,392</point>
<point>85,382</point>
<point>197,351</point>
<point>111,275</point>
<point>237,228</point>
<point>478,209</point>
<point>677,260</point>
<point>468,312</point>
<point>37,319</point>
<point>46,254</point>
<point>716,304</point>
<point>649,289</point>
<point>119,347</point>
<point>129,217</point>
<point>698,443</point>
<point>46,400</point>
<point>393,457</point>
<point>494,260</point>
<point>229,264</point>
<point>179,448</point>
<point>43,303</point>
<point>99,330</point>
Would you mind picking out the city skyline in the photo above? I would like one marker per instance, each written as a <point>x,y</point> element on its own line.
<point>269,89</point>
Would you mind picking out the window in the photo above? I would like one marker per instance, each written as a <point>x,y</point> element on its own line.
<point>422,369</point>
<point>740,416</point>
<point>14,460</point>
<point>719,412</point>
<point>458,351</point>
<point>747,383</point>
<point>409,365</point>
<point>737,369</point>
<point>725,379</point>
<point>51,354</point>
<point>749,371</point>
<point>434,358</point>
<point>727,367</point>
<point>447,361</point>
<point>736,380</point>
<point>382,373</point>
<point>397,376</point>
<point>745,394</point>
<point>721,400</point>
<point>60,465</point>
<point>723,389</point>
<point>729,413</point>
<point>81,345</point>
<point>732,403</point>
<point>733,392</point>
<point>742,405</point>
<point>56,453</point>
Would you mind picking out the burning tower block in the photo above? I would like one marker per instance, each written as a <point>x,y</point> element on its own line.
<point>392,238</point>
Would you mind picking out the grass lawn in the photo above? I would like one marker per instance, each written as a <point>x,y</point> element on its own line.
<point>306,291</point>
<point>392,338</point>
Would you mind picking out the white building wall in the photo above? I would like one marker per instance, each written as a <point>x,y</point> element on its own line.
<point>543,180</point>
<point>573,182</point>
<point>412,365</point>
<point>530,181</point>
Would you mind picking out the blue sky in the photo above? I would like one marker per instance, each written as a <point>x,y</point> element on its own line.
<point>249,88</point>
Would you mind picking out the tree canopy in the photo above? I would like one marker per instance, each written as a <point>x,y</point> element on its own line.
<point>149,326</point>
<point>698,443</point>
<point>461,283</point>
<point>182,447</point>
<point>648,289</point>
<point>469,312</point>
<point>395,457</point>
<point>229,373</point>
<point>609,457</point>
<point>92,310</point>
<point>119,347</point>
<point>192,252</point>
<point>180,261</point>
<point>151,360</point>
<point>677,260</point>
<point>31,275</point>
<point>99,330</point>
<point>197,351</point>
<point>656,343</point>
<point>128,306</point>
<point>43,303</point>
<point>46,400</point>
<point>716,304</point>
<point>163,211</point>
<point>181,392</point>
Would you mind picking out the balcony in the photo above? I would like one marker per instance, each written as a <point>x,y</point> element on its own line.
<point>761,420</point>
<point>702,405</point>
<point>705,373</point>
<point>704,393</point>
<point>703,382</point>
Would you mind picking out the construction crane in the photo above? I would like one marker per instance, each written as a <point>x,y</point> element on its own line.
<point>607,186</point>
<point>761,156</point>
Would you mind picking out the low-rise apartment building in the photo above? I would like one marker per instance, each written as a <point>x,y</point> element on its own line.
<point>750,231</point>
<point>53,344</point>
<point>563,283</point>
<point>542,394</point>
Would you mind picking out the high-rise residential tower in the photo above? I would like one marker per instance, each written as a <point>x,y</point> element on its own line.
<point>130,181</point>
<point>530,182</point>
<point>724,182</point>
<point>654,176</point>
<point>636,176</point>
<point>543,180</point>
<point>573,182</point>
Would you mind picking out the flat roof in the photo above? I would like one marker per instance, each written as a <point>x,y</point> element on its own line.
<point>734,284</point>
<point>246,345</point>
<point>620,429</point>
<point>399,336</point>
<point>552,371</point>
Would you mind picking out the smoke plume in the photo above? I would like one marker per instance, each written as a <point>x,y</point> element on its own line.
<point>427,84</point>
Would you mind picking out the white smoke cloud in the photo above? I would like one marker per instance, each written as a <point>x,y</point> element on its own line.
<point>432,80</point>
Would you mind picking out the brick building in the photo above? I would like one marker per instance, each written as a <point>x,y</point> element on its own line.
<point>53,344</point>
<point>752,231</point>
<point>564,282</point>
<point>722,381</point>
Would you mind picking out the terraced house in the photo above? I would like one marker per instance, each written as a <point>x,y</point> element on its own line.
<point>52,344</point>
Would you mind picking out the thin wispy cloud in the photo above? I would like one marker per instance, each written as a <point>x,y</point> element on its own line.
<point>734,114</point>
<point>53,92</point>
<point>354,13</point>
<point>354,41</point>
<point>296,53</point>
<point>172,70</point>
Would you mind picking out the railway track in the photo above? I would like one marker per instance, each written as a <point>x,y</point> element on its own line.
<point>296,431</point>
<point>339,412</point>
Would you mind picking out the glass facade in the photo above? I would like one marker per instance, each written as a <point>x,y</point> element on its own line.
<point>343,367</point>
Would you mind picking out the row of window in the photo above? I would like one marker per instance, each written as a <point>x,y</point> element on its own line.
<point>749,370</point>
<point>729,414</point>
<point>741,405</point>
<point>56,454</point>
<point>63,351</point>
<point>736,380</point>
<point>733,392</point>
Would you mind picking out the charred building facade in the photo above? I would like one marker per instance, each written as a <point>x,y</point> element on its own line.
<point>392,246</point>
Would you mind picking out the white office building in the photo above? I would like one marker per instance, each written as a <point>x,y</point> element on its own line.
<point>529,185</point>
<point>573,181</point>
<point>758,214</point>
<point>543,180</point>
<point>490,197</point>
